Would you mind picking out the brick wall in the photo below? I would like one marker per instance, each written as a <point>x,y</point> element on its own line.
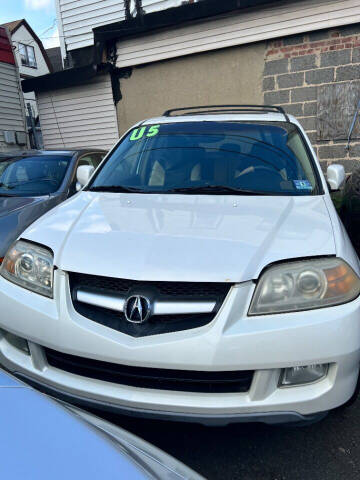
<point>296,66</point>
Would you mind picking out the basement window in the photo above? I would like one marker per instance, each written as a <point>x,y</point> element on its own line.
<point>27,55</point>
<point>337,103</point>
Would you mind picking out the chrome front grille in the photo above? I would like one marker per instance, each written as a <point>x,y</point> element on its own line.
<point>174,305</point>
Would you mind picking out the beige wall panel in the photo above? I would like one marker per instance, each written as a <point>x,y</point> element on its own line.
<point>232,75</point>
<point>78,117</point>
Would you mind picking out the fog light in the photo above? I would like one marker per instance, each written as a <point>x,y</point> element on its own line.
<point>303,375</point>
<point>17,342</point>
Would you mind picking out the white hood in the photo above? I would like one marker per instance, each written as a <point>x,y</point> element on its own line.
<point>183,237</point>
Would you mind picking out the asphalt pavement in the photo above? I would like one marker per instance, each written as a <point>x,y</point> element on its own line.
<point>329,450</point>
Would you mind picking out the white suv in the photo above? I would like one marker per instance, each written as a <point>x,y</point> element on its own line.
<point>202,274</point>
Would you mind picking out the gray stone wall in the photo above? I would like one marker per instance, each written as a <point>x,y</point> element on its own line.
<point>295,68</point>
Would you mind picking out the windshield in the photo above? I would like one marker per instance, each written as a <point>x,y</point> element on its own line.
<point>205,157</point>
<point>32,176</point>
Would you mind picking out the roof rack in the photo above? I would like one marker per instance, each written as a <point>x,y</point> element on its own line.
<point>200,110</point>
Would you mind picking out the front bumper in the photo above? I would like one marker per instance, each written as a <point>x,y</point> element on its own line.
<point>232,341</point>
<point>271,418</point>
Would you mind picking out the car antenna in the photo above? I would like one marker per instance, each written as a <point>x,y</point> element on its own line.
<point>353,125</point>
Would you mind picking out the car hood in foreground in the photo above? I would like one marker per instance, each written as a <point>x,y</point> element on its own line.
<point>42,440</point>
<point>183,237</point>
<point>11,204</point>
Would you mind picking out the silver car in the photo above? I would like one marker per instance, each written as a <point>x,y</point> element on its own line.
<point>33,182</point>
<point>42,439</point>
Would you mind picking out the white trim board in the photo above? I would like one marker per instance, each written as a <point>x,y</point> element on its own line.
<point>254,25</point>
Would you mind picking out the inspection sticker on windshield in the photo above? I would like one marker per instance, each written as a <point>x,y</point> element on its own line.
<point>302,185</point>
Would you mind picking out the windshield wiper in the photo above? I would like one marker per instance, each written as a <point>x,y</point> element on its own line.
<point>116,189</point>
<point>6,195</point>
<point>217,190</point>
<point>5,185</point>
<point>211,189</point>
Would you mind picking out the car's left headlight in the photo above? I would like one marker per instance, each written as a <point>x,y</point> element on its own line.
<point>304,285</point>
<point>30,266</point>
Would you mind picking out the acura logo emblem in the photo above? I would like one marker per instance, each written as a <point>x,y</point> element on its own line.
<point>137,309</point>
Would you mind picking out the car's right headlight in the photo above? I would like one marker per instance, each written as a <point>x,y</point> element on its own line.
<point>304,285</point>
<point>30,266</point>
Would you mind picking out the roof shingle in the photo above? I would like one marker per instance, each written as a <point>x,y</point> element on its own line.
<point>12,25</point>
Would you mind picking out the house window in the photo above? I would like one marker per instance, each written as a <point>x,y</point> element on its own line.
<point>27,55</point>
<point>337,104</point>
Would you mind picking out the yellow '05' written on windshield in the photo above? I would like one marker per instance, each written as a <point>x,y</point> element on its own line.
<point>139,133</point>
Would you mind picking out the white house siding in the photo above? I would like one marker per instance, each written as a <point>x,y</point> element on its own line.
<point>22,35</point>
<point>150,6</point>
<point>237,29</point>
<point>11,106</point>
<point>77,18</point>
<point>81,116</point>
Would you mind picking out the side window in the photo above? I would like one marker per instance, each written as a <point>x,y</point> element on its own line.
<point>98,158</point>
<point>91,159</point>
<point>85,160</point>
<point>27,55</point>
